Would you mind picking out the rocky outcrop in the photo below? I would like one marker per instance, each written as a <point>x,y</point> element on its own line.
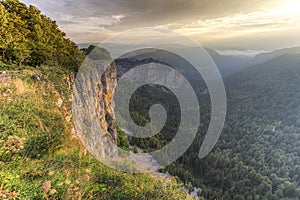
<point>93,106</point>
<point>105,105</point>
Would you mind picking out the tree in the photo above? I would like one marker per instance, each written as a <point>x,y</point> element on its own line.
<point>28,37</point>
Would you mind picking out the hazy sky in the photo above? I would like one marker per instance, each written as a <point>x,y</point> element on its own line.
<point>230,24</point>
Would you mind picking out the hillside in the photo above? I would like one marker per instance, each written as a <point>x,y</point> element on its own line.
<point>41,156</point>
<point>27,37</point>
<point>259,148</point>
<point>230,64</point>
<point>264,57</point>
<point>257,156</point>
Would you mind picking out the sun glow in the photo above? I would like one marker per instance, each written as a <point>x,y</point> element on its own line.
<point>290,7</point>
<point>281,16</point>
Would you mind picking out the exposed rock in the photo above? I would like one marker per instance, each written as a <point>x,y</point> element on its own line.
<point>93,101</point>
<point>37,77</point>
<point>105,105</point>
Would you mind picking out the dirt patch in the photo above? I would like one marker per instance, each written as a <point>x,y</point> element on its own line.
<point>20,86</point>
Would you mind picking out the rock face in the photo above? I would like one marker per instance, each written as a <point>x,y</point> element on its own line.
<point>105,104</point>
<point>95,113</point>
<point>93,106</point>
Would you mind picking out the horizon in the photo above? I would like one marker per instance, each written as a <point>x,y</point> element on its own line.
<point>252,53</point>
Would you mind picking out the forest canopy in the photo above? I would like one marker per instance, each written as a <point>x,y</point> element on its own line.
<point>29,38</point>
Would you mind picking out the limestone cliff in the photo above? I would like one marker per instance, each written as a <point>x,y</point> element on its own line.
<point>93,107</point>
<point>105,105</point>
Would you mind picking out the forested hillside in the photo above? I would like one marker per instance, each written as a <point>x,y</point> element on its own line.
<point>29,38</point>
<point>257,156</point>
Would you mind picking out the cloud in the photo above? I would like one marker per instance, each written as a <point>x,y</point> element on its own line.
<point>209,19</point>
<point>249,53</point>
<point>137,13</point>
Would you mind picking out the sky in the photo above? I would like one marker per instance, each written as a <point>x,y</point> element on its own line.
<point>223,25</point>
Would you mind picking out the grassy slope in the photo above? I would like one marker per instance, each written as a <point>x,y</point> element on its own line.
<point>41,159</point>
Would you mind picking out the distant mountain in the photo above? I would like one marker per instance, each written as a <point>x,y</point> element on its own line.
<point>140,57</point>
<point>271,87</point>
<point>264,57</point>
<point>229,64</point>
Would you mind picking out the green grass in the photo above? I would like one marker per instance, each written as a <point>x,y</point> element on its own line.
<point>41,159</point>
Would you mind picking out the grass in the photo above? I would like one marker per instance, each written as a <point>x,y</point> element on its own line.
<point>41,159</point>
